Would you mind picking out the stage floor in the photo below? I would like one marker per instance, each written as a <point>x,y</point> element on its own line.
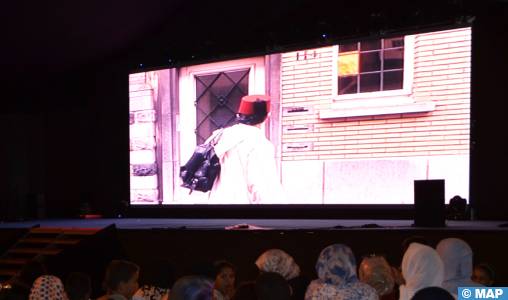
<point>255,224</point>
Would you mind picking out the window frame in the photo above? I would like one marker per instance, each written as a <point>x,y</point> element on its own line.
<point>390,97</point>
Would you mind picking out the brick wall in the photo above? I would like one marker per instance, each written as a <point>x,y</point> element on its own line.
<point>143,167</point>
<point>375,158</point>
<point>441,75</point>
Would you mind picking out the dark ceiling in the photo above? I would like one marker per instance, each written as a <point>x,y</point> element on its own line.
<point>43,37</point>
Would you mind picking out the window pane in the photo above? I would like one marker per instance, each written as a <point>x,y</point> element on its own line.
<point>394,42</point>
<point>393,80</point>
<point>348,63</point>
<point>370,62</point>
<point>370,82</point>
<point>393,59</point>
<point>348,85</point>
<point>370,45</point>
<point>348,47</point>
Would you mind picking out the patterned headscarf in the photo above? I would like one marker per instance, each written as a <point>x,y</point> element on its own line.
<point>336,269</point>
<point>421,267</point>
<point>278,261</point>
<point>48,287</point>
<point>457,258</point>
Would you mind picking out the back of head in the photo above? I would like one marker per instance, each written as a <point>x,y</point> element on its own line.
<point>278,261</point>
<point>78,286</point>
<point>48,287</point>
<point>376,272</point>
<point>272,286</point>
<point>119,271</point>
<point>336,265</point>
<point>432,293</point>
<point>457,257</point>
<point>221,265</point>
<point>253,109</point>
<point>421,267</point>
<point>192,288</point>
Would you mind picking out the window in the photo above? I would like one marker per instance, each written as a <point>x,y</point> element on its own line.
<point>374,77</point>
<point>370,66</point>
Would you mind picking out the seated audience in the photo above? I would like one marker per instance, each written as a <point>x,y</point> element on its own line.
<point>421,267</point>
<point>375,271</point>
<point>483,274</point>
<point>121,280</point>
<point>272,286</point>
<point>433,293</point>
<point>21,284</point>
<point>457,258</point>
<point>192,288</point>
<point>48,287</point>
<point>78,286</point>
<point>225,276</point>
<point>336,270</point>
<point>278,261</point>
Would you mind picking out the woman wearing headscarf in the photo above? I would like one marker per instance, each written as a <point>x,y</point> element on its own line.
<point>48,287</point>
<point>336,270</point>
<point>457,258</point>
<point>278,261</point>
<point>421,267</point>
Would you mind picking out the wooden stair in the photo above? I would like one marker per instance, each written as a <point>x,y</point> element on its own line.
<point>38,243</point>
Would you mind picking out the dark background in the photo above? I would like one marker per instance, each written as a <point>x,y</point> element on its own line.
<point>64,83</point>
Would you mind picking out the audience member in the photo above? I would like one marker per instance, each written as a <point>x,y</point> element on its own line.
<point>421,267</point>
<point>121,280</point>
<point>78,286</point>
<point>278,261</point>
<point>457,258</point>
<point>192,288</point>
<point>433,293</point>
<point>375,271</point>
<point>272,286</point>
<point>48,287</point>
<point>483,274</point>
<point>225,276</point>
<point>336,270</point>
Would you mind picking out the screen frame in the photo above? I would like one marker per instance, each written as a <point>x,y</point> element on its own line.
<point>306,211</point>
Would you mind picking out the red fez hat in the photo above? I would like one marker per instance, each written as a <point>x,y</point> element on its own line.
<point>249,105</point>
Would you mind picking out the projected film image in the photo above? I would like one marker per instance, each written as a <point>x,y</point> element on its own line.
<point>352,123</point>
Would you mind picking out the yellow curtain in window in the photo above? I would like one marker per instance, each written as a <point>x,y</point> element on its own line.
<point>348,63</point>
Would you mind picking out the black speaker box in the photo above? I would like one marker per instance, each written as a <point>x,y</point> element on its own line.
<point>429,203</point>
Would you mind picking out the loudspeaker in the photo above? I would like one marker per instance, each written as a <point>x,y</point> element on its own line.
<point>429,203</point>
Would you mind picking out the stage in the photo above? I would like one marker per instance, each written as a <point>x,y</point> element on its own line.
<point>255,224</point>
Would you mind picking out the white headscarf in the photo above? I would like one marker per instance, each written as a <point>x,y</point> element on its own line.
<point>421,267</point>
<point>457,258</point>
